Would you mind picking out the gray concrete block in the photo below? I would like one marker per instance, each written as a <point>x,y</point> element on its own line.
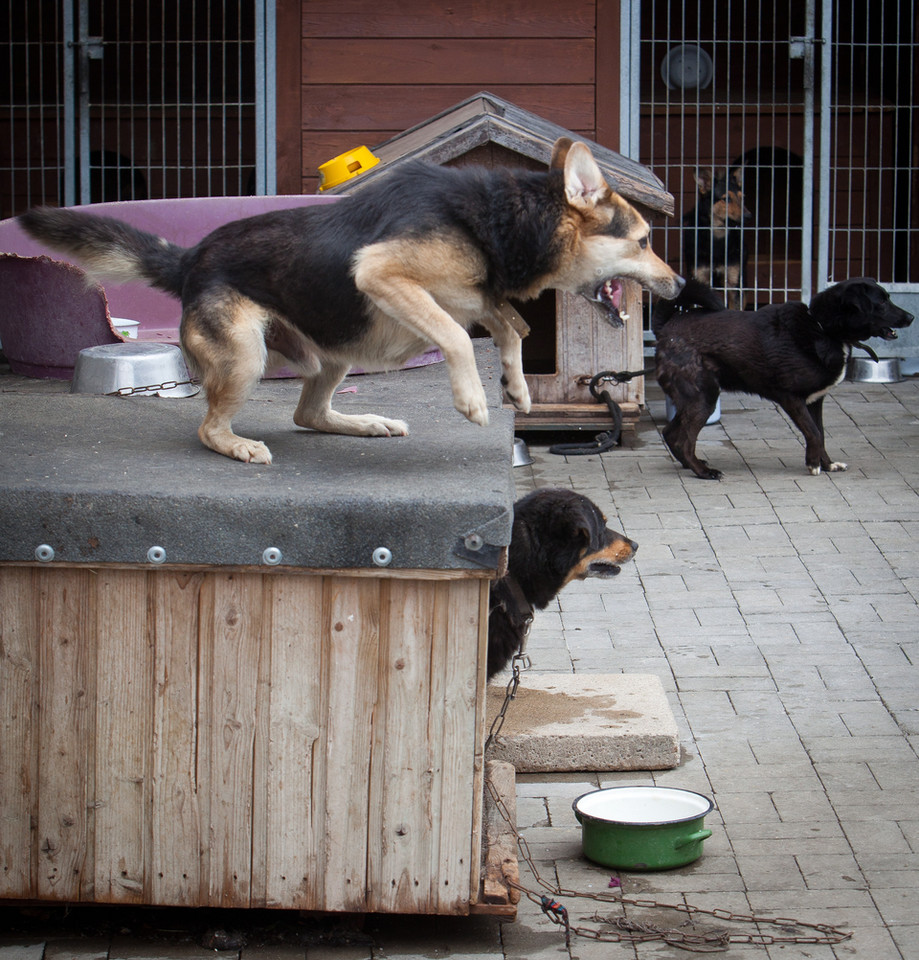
<point>562,722</point>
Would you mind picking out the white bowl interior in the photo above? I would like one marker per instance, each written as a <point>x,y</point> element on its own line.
<point>644,805</point>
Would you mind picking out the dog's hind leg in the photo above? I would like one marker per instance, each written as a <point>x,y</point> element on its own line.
<point>315,408</point>
<point>507,327</point>
<point>223,338</point>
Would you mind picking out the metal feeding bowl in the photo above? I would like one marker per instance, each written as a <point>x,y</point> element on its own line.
<point>522,456</point>
<point>122,367</point>
<point>866,370</point>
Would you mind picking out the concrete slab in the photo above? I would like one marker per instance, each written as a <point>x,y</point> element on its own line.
<point>564,722</point>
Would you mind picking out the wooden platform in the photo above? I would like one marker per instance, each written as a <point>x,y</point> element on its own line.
<point>217,731</point>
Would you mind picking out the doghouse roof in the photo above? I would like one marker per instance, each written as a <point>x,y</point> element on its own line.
<point>486,118</point>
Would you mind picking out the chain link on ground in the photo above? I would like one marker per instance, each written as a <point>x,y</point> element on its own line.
<point>154,387</point>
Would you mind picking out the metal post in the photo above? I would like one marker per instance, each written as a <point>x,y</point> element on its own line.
<point>265,99</point>
<point>69,96</point>
<point>826,106</point>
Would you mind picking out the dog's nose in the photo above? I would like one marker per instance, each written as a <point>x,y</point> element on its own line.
<point>634,546</point>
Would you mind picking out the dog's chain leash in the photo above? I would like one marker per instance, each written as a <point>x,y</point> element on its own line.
<point>520,659</point>
<point>633,931</point>
<point>154,387</point>
<point>609,438</point>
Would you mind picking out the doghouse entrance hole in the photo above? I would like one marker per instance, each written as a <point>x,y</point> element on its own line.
<point>540,348</point>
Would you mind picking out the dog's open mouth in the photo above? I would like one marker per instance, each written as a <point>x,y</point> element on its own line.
<point>602,568</point>
<point>888,333</point>
<point>609,296</point>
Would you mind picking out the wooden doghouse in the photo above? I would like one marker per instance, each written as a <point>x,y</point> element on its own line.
<point>231,685</point>
<point>570,340</point>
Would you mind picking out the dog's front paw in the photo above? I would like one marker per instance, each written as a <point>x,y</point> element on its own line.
<point>473,406</point>
<point>250,451</point>
<point>709,473</point>
<point>834,467</point>
<point>518,393</point>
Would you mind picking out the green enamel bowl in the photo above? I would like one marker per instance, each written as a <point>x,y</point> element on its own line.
<point>642,828</point>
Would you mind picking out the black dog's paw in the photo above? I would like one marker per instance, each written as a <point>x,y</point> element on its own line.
<point>709,473</point>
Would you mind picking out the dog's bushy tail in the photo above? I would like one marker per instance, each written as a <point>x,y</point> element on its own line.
<point>694,294</point>
<point>108,248</point>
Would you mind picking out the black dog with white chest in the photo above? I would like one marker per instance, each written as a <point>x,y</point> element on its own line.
<point>790,353</point>
<point>558,536</point>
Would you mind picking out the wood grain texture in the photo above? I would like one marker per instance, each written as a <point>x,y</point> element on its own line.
<point>466,18</point>
<point>66,741</point>
<point>485,62</point>
<point>19,675</point>
<point>123,720</point>
<point>241,738</point>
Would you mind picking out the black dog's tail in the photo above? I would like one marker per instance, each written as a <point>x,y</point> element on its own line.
<point>694,294</point>
<point>108,248</point>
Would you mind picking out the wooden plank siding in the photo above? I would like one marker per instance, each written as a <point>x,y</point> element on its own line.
<point>242,739</point>
<point>369,70</point>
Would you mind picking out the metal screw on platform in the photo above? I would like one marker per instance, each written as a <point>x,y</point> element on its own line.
<point>271,556</point>
<point>44,552</point>
<point>382,556</point>
<point>474,542</point>
<point>156,555</point>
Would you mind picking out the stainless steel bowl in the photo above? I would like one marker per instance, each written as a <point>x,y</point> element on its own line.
<point>522,456</point>
<point>866,370</point>
<point>115,367</point>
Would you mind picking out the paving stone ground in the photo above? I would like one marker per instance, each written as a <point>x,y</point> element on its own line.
<point>780,612</point>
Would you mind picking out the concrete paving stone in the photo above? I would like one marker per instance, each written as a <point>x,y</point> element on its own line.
<point>542,790</point>
<point>290,952</point>
<point>532,812</point>
<point>408,938</point>
<point>745,807</point>
<point>875,943</point>
<point>129,948</point>
<point>884,867</point>
<point>866,719</point>
<point>828,749</point>
<point>80,949</point>
<point>811,806</point>
<point>534,940</point>
<point>21,949</point>
<point>849,908</point>
<point>896,905</point>
<point>830,871</point>
<point>770,872</point>
<point>906,938</point>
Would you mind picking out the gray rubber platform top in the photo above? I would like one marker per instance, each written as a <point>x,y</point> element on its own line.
<point>104,479</point>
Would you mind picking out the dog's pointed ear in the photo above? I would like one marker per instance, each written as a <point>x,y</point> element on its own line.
<point>559,152</point>
<point>704,179</point>
<point>737,176</point>
<point>585,184</point>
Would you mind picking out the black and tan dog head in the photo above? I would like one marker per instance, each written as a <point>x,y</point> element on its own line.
<point>721,197</point>
<point>604,238</point>
<point>858,309</point>
<point>560,536</point>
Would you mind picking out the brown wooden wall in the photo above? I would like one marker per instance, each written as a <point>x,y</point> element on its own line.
<point>354,72</point>
<point>184,737</point>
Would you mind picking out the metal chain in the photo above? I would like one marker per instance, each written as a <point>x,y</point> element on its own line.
<point>631,931</point>
<point>520,659</point>
<point>155,387</point>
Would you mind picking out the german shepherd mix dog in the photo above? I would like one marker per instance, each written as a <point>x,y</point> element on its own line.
<point>789,353</point>
<point>558,536</point>
<point>413,260</point>
<point>713,249</point>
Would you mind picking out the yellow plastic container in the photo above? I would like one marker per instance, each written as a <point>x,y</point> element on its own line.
<point>345,166</point>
